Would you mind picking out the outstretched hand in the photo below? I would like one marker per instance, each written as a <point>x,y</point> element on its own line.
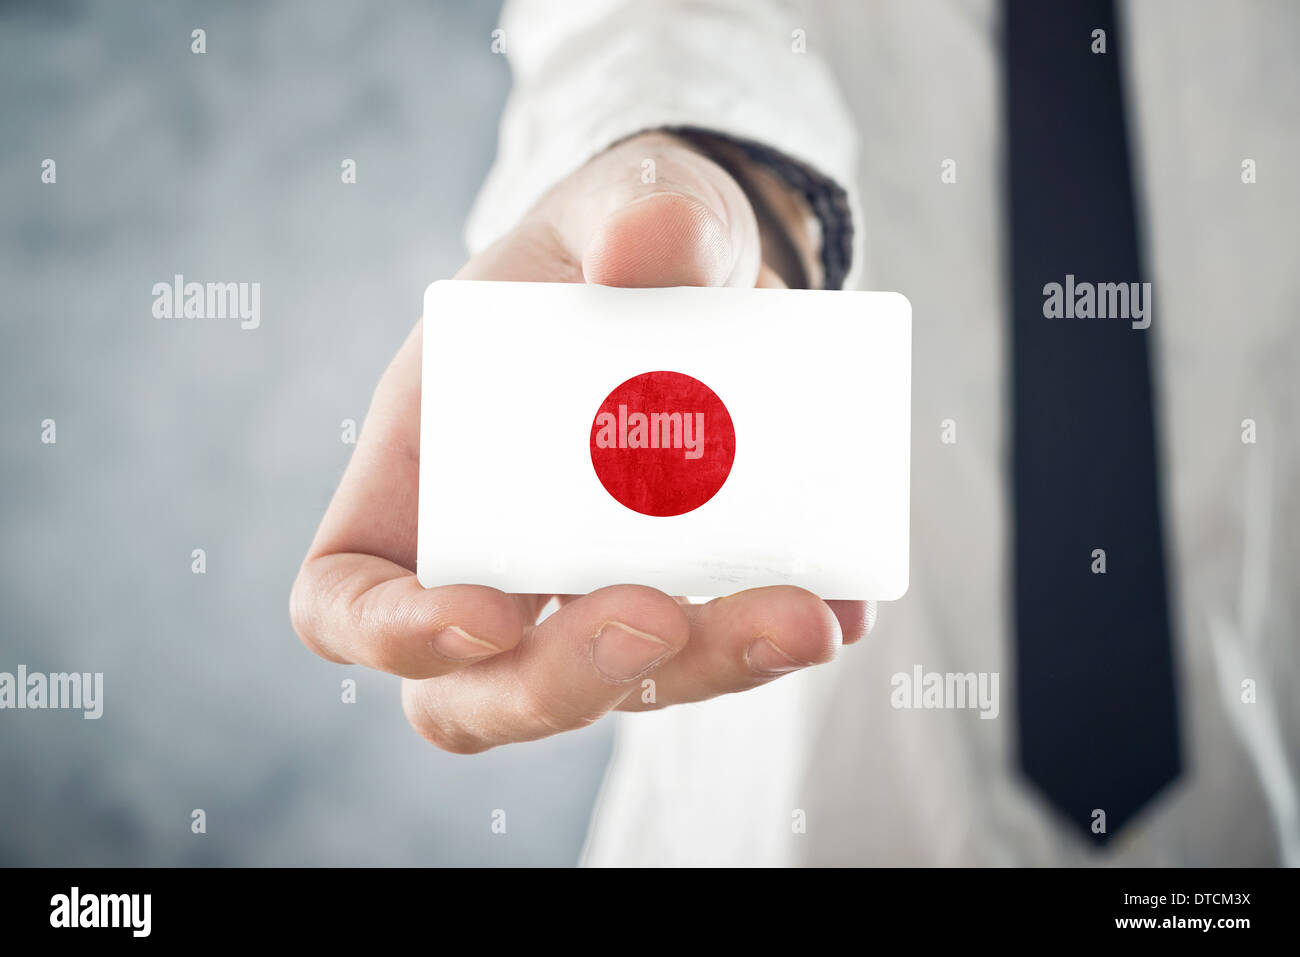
<point>479,670</point>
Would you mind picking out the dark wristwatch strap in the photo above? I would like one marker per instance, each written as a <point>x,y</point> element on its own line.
<point>826,199</point>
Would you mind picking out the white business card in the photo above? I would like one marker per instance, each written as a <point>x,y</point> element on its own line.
<point>697,440</point>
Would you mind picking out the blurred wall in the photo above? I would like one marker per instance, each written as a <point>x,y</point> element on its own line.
<point>173,436</point>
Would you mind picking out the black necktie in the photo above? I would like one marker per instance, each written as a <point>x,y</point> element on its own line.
<point>1096,710</point>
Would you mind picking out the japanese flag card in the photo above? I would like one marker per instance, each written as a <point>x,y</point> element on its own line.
<point>697,440</point>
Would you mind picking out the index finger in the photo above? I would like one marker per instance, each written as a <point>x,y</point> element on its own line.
<point>356,598</point>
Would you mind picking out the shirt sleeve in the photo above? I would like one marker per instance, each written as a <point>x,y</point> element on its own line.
<point>588,73</point>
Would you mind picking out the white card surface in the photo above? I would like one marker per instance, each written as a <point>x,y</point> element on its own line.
<point>531,444</point>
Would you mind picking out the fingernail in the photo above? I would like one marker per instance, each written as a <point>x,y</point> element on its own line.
<point>621,652</point>
<point>768,659</point>
<point>456,644</point>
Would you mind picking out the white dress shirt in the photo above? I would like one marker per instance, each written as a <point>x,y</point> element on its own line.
<point>882,94</point>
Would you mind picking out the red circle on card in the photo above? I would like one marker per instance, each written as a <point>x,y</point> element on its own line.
<point>662,443</point>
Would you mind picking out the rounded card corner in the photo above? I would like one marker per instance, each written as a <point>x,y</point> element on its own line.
<point>904,302</point>
<point>898,593</point>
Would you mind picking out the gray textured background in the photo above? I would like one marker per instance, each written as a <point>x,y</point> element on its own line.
<point>181,435</point>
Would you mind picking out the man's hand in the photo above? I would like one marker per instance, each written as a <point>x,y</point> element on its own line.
<point>479,672</point>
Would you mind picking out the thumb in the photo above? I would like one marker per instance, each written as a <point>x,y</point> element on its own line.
<point>691,226</point>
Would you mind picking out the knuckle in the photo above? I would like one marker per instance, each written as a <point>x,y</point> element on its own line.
<point>347,608</point>
<point>303,615</point>
<point>302,621</point>
<point>436,726</point>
